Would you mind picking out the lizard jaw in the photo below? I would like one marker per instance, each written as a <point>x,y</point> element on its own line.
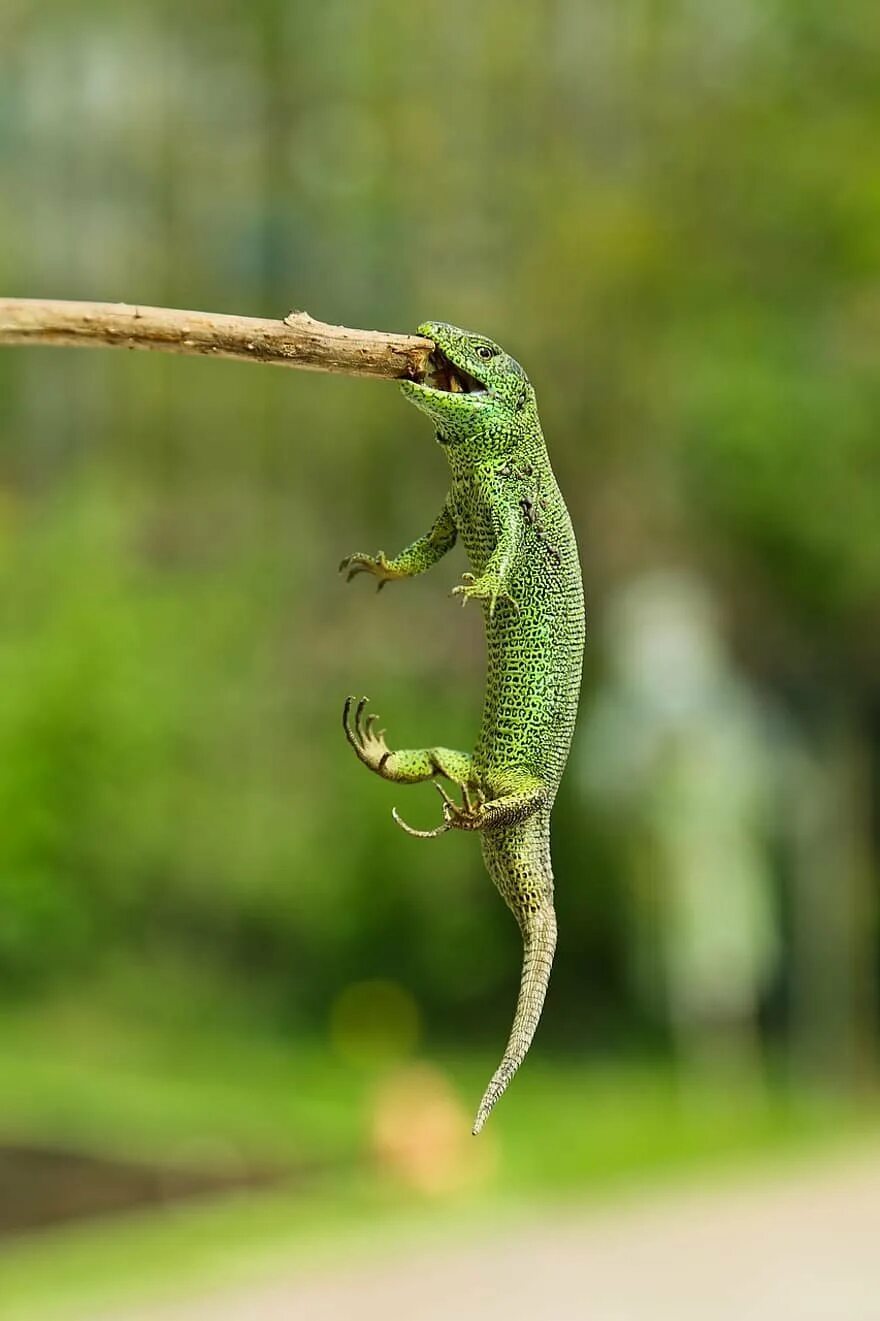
<point>454,414</point>
<point>447,389</point>
<point>415,388</point>
<point>446,377</point>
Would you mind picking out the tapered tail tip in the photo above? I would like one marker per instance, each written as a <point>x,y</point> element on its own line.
<point>539,945</point>
<point>496,1089</point>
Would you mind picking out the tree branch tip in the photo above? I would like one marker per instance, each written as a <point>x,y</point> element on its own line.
<point>298,340</point>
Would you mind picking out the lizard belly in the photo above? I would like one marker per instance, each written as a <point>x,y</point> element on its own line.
<point>535,651</point>
<point>534,665</point>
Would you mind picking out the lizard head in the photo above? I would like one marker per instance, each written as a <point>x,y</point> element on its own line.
<point>473,392</point>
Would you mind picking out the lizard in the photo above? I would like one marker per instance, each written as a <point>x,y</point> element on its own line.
<point>506,507</point>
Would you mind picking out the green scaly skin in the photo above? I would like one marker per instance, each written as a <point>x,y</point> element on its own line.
<point>505,505</point>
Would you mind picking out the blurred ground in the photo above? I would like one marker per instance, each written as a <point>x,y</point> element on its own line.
<point>802,1246</point>
<point>375,1161</point>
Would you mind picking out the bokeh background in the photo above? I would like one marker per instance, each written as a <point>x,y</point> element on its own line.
<point>237,1007</point>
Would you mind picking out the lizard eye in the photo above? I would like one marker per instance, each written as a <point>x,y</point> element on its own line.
<point>483,351</point>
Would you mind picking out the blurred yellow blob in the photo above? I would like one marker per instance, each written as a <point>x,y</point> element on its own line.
<point>374,1023</point>
<point>420,1134</point>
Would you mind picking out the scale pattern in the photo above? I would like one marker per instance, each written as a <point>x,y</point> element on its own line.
<point>505,505</point>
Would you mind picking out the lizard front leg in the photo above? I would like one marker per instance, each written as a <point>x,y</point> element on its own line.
<point>490,585</point>
<point>415,559</point>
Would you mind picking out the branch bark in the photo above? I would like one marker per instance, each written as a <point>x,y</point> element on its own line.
<point>297,341</point>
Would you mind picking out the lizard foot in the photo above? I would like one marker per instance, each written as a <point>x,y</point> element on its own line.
<point>486,588</point>
<point>360,731</point>
<point>468,815</point>
<point>378,565</point>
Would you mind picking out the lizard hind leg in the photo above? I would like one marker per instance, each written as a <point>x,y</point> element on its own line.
<point>408,766</point>
<point>473,796</point>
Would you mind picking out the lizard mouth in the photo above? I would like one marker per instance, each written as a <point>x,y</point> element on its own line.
<point>445,377</point>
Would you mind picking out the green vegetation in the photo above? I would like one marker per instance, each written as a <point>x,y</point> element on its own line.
<point>666,216</point>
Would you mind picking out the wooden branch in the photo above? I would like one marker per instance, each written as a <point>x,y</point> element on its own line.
<point>297,341</point>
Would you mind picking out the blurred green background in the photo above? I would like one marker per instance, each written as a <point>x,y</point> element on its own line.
<point>216,952</point>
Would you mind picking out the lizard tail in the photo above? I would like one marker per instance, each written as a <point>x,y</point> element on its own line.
<point>539,945</point>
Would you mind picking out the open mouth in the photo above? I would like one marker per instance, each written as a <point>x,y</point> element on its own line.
<point>443,375</point>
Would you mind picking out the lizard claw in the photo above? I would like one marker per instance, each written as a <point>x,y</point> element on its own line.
<point>420,834</point>
<point>378,565</point>
<point>461,816</point>
<point>464,588</point>
<point>473,796</point>
<point>447,801</point>
<point>486,588</point>
<point>466,816</point>
<point>370,746</point>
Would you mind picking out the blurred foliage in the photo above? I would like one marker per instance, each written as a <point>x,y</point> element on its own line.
<point>668,212</point>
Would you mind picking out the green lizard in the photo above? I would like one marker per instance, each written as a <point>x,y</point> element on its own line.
<point>505,505</point>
